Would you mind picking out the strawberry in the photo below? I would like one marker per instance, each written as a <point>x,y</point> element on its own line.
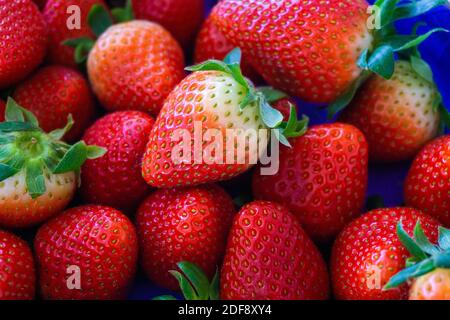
<point>55,92</point>
<point>368,252</point>
<point>319,51</point>
<point>24,40</point>
<point>38,171</point>
<point>429,265</point>
<point>322,179</point>
<point>432,286</point>
<point>212,44</point>
<point>305,48</point>
<point>17,274</point>
<point>115,179</point>
<point>57,17</point>
<point>215,100</point>
<point>143,63</point>
<point>269,256</point>
<point>397,116</point>
<point>181,17</point>
<point>428,182</point>
<point>175,225</point>
<point>95,243</point>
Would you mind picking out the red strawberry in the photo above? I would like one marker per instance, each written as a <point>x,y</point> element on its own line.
<point>428,182</point>
<point>368,252</point>
<point>38,171</point>
<point>143,63</point>
<point>96,243</point>
<point>57,17</point>
<point>322,179</point>
<point>175,225</point>
<point>269,256</point>
<point>397,116</point>
<point>52,94</point>
<point>115,179</point>
<point>24,40</point>
<point>181,17</point>
<point>306,48</point>
<point>212,44</point>
<point>188,144</point>
<point>284,105</point>
<point>17,274</point>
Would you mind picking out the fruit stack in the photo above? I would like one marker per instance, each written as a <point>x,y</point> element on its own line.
<point>121,164</point>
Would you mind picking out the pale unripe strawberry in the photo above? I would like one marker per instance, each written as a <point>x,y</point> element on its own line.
<point>38,171</point>
<point>397,116</point>
<point>432,286</point>
<point>22,210</point>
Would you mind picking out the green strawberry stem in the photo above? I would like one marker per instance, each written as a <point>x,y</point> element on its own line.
<point>123,14</point>
<point>425,256</point>
<point>272,118</point>
<point>194,283</point>
<point>24,146</point>
<point>381,58</point>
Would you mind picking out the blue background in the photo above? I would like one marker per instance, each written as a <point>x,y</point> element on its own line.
<point>386,181</point>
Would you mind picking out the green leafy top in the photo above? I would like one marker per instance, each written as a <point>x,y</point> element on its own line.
<point>99,19</point>
<point>194,284</point>
<point>24,146</point>
<point>271,117</point>
<point>425,256</point>
<point>381,58</point>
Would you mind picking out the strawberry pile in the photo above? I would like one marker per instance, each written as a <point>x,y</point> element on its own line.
<point>118,160</point>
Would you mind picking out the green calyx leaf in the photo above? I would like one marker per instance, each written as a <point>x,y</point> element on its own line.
<point>74,158</point>
<point>444,115</point>
<point>416,8</point>
<point>123,14</point>
<point>194,284</point>
<point>99,19</point>
<point>272,95</point>
<point>25,148</point>
<point>82,48</point>
<point>404,42</point>
<point>58,134</point>
<point>422,68</point>
<point>426,256</point>
<point>15,113</point>
<point>382,61</point>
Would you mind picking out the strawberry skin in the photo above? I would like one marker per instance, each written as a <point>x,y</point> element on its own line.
<point>211,98</point>
<point>428,182</point>
<point>432,286</point>
<point>18,209</point>
<point>17,273</point>
<point>395,115</point>
<point>181,17</point>
<point>308,49</point>
<point>188,224</point>
<point>100,240</point>
<point>115,179</point>
<point>24,40</point>
<point>143,63</point>
<point>370,243</point>
<point>212,44</point>
<point>270,257</point>
<point>56,16</point>
<point>52,94</point>
<point>322,179</point>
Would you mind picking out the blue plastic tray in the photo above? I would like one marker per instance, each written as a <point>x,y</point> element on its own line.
<point>386,181</point>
